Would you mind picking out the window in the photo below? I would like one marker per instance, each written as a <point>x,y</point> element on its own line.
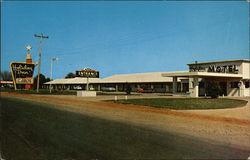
<point>202,84</point>
<point>234,85</point>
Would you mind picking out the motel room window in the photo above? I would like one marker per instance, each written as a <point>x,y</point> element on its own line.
<point>234,84</point>
<point>247,84</point>
<point>202,84</point>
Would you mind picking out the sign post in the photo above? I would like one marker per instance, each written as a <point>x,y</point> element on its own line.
<point>13,77</point>
<point>87,89</point>
<point>87,73</point>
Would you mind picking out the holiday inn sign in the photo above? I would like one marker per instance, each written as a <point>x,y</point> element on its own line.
<point>22,72</point>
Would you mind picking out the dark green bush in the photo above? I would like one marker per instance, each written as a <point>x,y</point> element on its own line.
<point>128,90</point>
<point>213,89</point>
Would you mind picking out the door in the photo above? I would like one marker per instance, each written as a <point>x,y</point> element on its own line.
<point>223,86</point>
<point>201,89</point>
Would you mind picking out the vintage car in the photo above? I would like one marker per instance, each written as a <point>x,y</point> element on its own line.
<point>144,90</point>
<point>108,89</point>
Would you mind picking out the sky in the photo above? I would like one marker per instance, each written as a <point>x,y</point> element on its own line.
<point>123,37</point>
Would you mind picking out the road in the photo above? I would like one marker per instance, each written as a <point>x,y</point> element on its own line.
<point>143,132</point>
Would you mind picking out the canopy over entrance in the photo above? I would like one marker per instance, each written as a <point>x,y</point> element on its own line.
<point>232,75</point>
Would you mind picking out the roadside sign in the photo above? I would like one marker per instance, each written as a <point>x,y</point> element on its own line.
<point>22,72</point>
<point>87,72</point>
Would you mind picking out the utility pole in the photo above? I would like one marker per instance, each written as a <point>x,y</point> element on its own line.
<point>40,59</point>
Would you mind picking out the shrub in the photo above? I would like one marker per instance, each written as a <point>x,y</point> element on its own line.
<point>128,90</point>
<point>213,89</point>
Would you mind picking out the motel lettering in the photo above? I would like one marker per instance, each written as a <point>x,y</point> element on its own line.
<point>223,69</point>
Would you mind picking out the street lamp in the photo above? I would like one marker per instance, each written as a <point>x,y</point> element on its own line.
<point>52,59</point>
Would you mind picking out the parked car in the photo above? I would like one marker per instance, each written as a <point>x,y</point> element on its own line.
<point>108,89</point>
<point>77,87</point>
<point>145,90</point>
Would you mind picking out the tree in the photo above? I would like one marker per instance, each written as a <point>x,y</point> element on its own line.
<point>70,75</point>
<point>213,89</point>
<point>42,80</point>
<point>47,79</point>
<point>6,76</point>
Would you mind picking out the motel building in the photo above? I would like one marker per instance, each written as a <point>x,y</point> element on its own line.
<point>233,76</point>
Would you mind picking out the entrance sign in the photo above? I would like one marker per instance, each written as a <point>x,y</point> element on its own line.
<point>88,73</point>
<point>22,72</point>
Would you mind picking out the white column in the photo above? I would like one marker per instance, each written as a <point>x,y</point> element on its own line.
<point>138,86</point>
<point>167,88</point>
<point>194,86</point>
<point>152,86</point>
<point>116,87</point>
<point>181,87</point>
<point>174,84</point>
<point>242,88</point>
<point>99,87</point>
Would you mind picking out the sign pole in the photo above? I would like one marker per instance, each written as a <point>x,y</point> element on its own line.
<point>40,59</point>
<point>87,73</point>
<point>13,78</point>
<point>50,76</point>
<point>87,84</point>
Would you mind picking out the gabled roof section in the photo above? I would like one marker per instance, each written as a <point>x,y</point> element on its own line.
<point>76,80</point>
<point>138,78</point>
<point>123,78</point>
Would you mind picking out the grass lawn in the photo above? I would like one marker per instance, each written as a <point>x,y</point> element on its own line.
<point>186,103</point>
<point>41,91</point>
<point>57,92</point>
<point>115,93</point>
<point>32,131</point>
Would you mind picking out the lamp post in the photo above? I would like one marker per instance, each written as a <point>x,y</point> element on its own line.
<point>52,59</point>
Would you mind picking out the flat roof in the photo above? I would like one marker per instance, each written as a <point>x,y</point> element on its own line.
<point>226,61</point>
<point>201,74</point>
